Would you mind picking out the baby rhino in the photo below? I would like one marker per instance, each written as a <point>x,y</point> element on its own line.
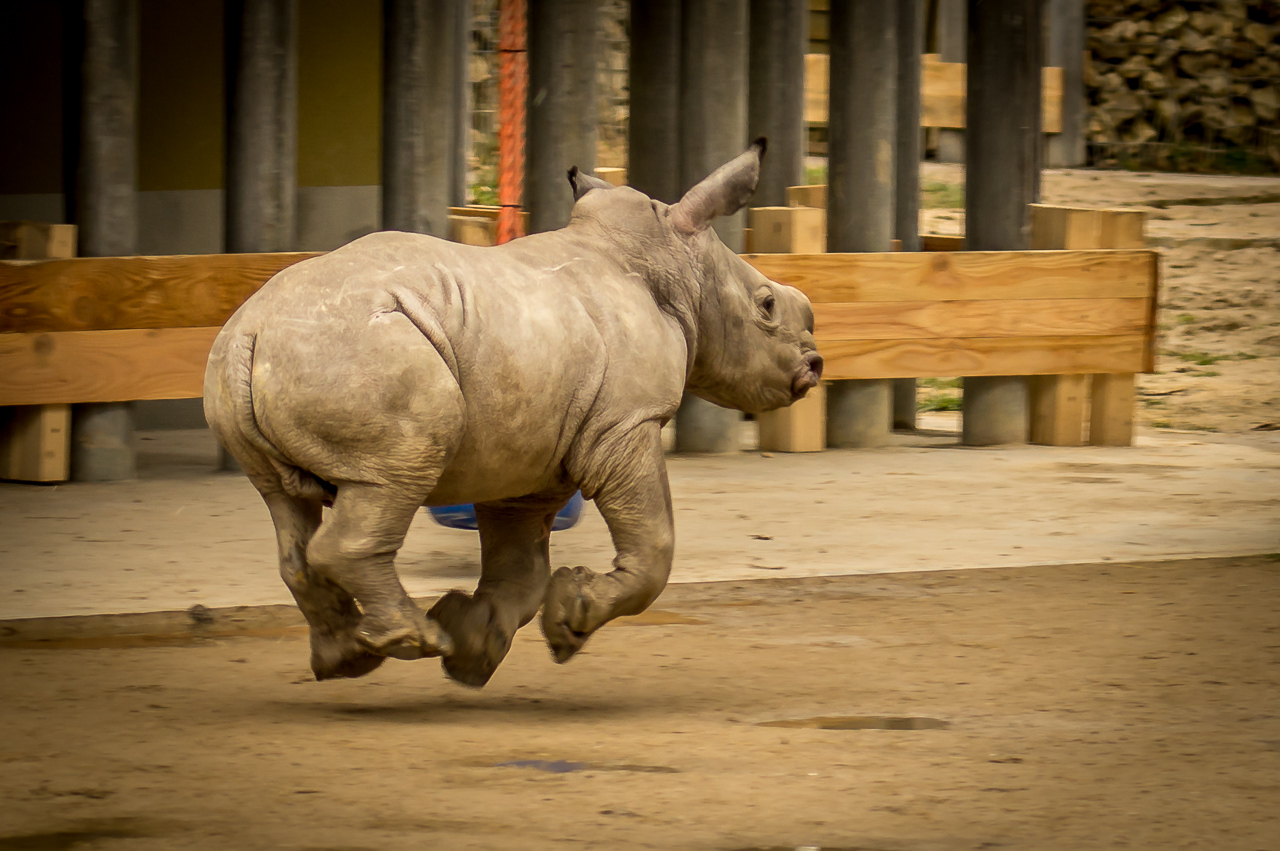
<point>403,370</point>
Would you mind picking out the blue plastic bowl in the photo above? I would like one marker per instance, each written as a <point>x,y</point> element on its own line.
<point>464,516</point>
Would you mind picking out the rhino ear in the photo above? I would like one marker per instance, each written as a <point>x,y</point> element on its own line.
<point>583,183</point>
<point>723,193</point>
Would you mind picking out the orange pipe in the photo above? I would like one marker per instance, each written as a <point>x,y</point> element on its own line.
<point>513,86</point>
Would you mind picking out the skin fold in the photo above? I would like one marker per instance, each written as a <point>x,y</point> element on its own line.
<point>402,370</point>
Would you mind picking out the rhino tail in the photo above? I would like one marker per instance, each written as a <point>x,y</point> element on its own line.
<point>294,480</point>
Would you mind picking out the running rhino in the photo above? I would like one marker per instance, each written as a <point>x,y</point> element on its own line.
<point>402,370</point>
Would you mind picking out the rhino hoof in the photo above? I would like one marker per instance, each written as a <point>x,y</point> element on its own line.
<point>406,641</point>
<point>341,657</point>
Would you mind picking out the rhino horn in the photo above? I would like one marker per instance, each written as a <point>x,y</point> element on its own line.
<point>583,183</point>
<point>724,192</point>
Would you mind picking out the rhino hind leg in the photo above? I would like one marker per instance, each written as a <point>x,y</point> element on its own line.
<point>355,549</point>
<point>515,563</point>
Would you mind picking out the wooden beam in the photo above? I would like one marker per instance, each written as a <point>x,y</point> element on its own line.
<point>1032,317</point>
<point>113,293</point>
<point>103,366</point>
<point>1056,227</point>
<point>36,241</point>
<point>1057,409</point>
<point>980,356</point>
<point>1111,414</point>
<point>939,242</point>
<point>35,443</point>
<point>962,275</point>
<point>788,230</point>
<point>799,428</point>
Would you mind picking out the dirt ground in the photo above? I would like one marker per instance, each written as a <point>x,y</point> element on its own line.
<point>1219,318</point>
<point>1096,706</point>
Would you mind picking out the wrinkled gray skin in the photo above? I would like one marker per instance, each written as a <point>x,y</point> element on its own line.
<point>402,370</point>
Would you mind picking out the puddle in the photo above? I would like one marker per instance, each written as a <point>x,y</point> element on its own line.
<point>860,722</point>
<point>83,833</point>
<point>561,766</point>
<point>128,642</point>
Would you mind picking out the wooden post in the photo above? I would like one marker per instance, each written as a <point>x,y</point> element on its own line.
<point>35,443</point>
<point>102,434</point>
<point>779,41</point>
<point>799,428</point>
<point>860,200</point>
<point>1111,406</point>
<point>562,108</point>
<point>1057,409</point>
<point>653,150</point>
<point>1065,49</point>
<point>906,190</point>
<point>420,111</point>
<point>713,130</point>
<point>1002,178</point>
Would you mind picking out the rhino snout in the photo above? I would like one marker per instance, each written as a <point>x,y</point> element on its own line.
<point>807,375</point>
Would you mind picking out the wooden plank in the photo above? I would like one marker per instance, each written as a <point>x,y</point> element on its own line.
<point>799,428</point>
<point>616,176</point>
<point>817,74</point>
<point>35,443</point>
<point>980,356</point>
<point>473,230</point>
<point>1057,409</point>
<point>1051,99</point>
<point>103,366</point>
<point>1057,227</point>
<point>1111,417</point>
<point>942,94</point>
<point>811,195</point>
<point>1032,317</point>
<point>788,230</point>
<point>961,275</point>
<point>36,241</point>
<point>113,293</point>
<point>939,242</point>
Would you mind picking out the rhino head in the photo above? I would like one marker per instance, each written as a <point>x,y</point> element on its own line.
<point>750,340</point>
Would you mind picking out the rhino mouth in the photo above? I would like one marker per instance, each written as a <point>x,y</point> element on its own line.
<point>807,375</point>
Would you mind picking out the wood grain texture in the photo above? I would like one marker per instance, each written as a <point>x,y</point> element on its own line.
<point>1055,227</point>
<point>1033,317</point>
<point>35,443</point>
<point>115,293</point>
<point>980,356</point>
<point>940,242</point>
<point>1057,409</point>
<point>799,428</point>
<point>103,366</point>
<point>962,275</point>
<point>1111,409</point>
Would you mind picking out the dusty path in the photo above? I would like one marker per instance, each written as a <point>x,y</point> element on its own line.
<point>1113,706</point>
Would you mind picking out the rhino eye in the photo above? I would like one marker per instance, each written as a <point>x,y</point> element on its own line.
<point>767,306</point>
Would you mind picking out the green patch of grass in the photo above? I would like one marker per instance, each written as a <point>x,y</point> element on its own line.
<point>815,174</point>
<point>1162,424</point>
<point>1185,319</point>
<point>941,196</point>
<point>1200,358</point>
<point>1273,556</point>
<point>1246,356</point>
<point>941,383</point>
<point>1208,373</point>
<point>1153,403</point>
<point>940,403</point>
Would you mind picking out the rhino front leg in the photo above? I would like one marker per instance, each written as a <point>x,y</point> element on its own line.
<point>635,500</point>
<point>515,562</point>
<point>355,548</point>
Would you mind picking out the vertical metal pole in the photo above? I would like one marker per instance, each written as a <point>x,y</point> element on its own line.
<point>953,41</point>
<point>906,190</point>
<point>1066,51</point>
<point>653,145</point>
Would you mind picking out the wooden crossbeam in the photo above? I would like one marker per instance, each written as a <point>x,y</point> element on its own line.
<point>113,293</point>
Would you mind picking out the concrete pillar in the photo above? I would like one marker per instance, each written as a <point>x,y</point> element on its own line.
<point>860,194</point>
<point>102,441</point>
<point>713,130</point>
<point>102,444</point>
<point>906,189</point>
<point>779,39</point>
<point>953,39</point>
<point>563,35</point>
<point>1002,178</point>
<point>420,154</point>
<point>262,125</point>
<point>461,80</point>
<point>653,150</point>
<point>859,413</point>
<point>1066,37</point>
<point>713,96</point>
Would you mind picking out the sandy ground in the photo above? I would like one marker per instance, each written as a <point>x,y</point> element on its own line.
<point>1103,706</point>
<point>1219,240</point>
<point>183,535</point>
